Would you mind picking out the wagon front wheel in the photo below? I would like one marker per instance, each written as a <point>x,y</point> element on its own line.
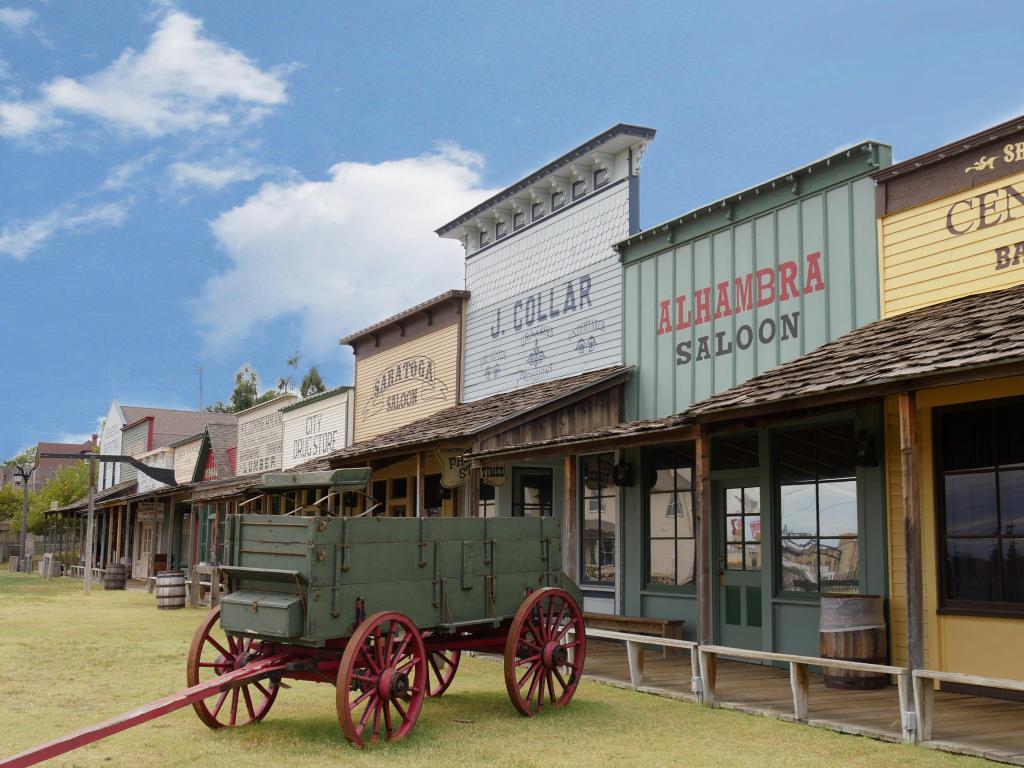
<point>213,653</point>
<point>544,651</point>
<point>382,680</point>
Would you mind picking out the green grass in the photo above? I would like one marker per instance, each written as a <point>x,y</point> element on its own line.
<point>67,661</point>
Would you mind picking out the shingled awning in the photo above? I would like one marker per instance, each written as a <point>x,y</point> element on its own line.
<point>967,339</point>
<point>468,420</point>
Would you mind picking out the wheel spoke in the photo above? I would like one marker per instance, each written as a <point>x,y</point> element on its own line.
<point>551,687</point>
<point>390,646</point>
<point>401,712</point>
<point>558,622</point>
<point>528,659</point>
<point>376,717</point>
<point>219,704</point>
<point>360,699</point>
<point>402,648</point>
<point>261,689</point>
<point>234,706</point>
<point>534,682</point>
<point>223,652</point>
<point>248,702</point>
<point>437,670</point>
<point>368,710</point>
<point>387,719</point>
<point>526,674</point>
<point>561,680</point>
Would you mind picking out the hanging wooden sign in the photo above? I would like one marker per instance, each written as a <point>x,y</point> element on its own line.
<point>494,475</point>
<point>454,465</point>
<point>149,511</point>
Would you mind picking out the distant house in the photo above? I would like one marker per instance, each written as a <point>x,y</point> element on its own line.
<point>45,468</point>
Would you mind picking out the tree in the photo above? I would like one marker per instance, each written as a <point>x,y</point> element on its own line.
<point>312,383</point>
<point>27,458</point>
<point>247,388</point>
<point>10,504</point>
<point>67,485</point>
<point>286,383</point>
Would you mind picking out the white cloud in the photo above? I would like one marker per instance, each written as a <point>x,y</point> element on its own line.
<point>342,253</point>
<point>18,240</point>
<point>182,82</point>
<point>122,175</point>
<point>185,174</point>
<point>17,20</point>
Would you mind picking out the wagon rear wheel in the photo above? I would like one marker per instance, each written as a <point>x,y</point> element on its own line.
<point>542,661</point>
<point>213,653</point>
<point>382,680</point>
<point>442,665</point>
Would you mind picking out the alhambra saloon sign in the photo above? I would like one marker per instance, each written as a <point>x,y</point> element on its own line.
<point>694,312</point>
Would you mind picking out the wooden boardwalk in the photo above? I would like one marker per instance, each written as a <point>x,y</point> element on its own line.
<point>970,725</point>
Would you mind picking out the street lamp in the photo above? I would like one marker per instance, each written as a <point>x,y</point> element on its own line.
<point>24,473</point>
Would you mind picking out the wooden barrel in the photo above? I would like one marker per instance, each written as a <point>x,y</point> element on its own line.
<point>170,590</point>
<point>113,576</point>
<point>853,629</point>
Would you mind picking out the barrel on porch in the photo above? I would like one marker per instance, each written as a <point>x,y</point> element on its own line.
<point>853,629</point>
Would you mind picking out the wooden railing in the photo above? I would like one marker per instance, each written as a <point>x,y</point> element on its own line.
<point>704,668</point>
<point>799,680</point>
<point>924,693</point>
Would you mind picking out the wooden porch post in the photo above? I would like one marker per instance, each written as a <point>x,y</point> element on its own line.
<point>703,554</point>
<point>117,544</point>
<point>912,528</point>
<point>474,492</point>
<point>569,532</point>
<point>420,507</point>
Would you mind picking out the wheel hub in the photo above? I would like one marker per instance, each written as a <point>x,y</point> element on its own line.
<point>393,684</point>
<point>554,655</point>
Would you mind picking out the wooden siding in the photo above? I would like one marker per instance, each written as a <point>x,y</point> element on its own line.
<point>162,458</point>
<point>185,458</point>
<point>314,430</point>
<point>259,437</point>
<point>923,263</point>
<point>134,442</point>
<point>977,645</point>
<point>417,394</point>
<point>598,410</point>
<point>825,243</point>
<point>110,443</point>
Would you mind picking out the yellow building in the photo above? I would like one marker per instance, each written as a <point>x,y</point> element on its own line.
<point>951,225</point>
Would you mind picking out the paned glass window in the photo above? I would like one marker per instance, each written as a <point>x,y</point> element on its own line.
<point>818,541</point>
<point>579,189</point>
<point>487,505</point>
<point>518,220</point>
<point>742,529</point>
<point>600,177</point>
<point>536,211</point>
<point>599,513</point>
<point>980,454</point>
<point>671,545</point>
<point>531,492</point>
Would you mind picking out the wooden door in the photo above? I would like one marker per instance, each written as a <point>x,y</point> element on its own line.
<point>741,594</point>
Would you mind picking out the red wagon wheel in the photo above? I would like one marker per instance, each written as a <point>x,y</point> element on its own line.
<point>213,653</point>
<point>442,664</point>
<point>541,660</point>
<point>382,680</point>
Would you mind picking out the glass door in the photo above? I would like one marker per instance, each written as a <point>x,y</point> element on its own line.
<point>739,550</point>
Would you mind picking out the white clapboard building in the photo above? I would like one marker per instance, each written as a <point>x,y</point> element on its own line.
<point>316,426</point>
<point>545,285</point>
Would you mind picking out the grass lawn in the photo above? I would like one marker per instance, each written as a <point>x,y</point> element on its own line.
<point>67,661</point>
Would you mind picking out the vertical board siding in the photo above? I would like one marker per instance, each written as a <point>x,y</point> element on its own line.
<point>837,223</point>
<point>314,430</point>
<point>924,263</point>
<point>110,443</point>
<point>408,395</point>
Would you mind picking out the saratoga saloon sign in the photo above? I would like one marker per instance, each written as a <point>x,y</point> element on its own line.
<point>739,296</point>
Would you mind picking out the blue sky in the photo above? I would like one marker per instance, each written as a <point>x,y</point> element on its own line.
<point>215,183</point>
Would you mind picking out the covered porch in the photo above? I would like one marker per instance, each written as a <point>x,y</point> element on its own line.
<point>963,724</point>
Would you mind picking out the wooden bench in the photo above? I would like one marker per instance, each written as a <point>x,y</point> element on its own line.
<point>638,625</point>
<point>798,677</point>
<point>924,692</point>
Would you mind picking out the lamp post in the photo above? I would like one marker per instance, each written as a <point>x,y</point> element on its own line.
<point>24,473</point>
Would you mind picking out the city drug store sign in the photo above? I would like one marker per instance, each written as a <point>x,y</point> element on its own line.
<point>694,316</point>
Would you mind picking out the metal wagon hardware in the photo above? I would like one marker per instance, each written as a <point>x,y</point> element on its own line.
<point>382,608</point>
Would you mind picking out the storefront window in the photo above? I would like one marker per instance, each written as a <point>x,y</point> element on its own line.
<point>670,529</point>
<point>981,521</point>
<point>487,505</point>
<point>599,510</point>
<point>433,496</point>
<point>743,529</point>
<point>532,492</point>
<point>819,547</point>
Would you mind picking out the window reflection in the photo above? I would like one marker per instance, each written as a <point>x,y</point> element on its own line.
<point>599,508</point>
<point>670,525</point>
